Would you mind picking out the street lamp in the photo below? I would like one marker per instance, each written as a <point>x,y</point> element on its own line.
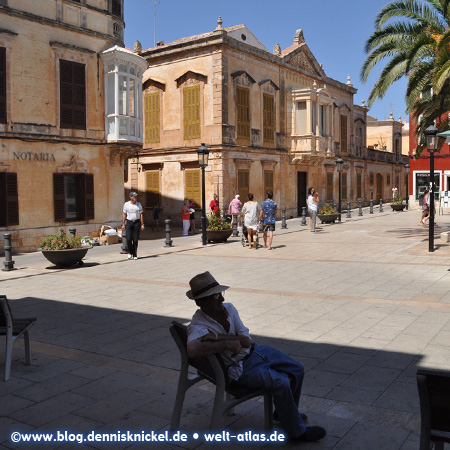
<point>339,167</point>
<point>430,133</point>
<point>203,154</point>
<point>407,184</point>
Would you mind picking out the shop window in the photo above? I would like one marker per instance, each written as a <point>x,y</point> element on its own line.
<point>152,117</point>
<point>191,112</point>
<point>329,186</point>
<point>243,112</point>
<point>192,186</point>
<point>344,141</point>
<point>268,118</point>
<point>268,181</point>
<point>243,185</point>
<point>73,196</point>
<point>72,95</point>
<point>152,194</point>
<point>2,85</point>
<point>9,200</point>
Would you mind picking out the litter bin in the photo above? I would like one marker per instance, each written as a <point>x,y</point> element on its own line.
<point>421,200</point>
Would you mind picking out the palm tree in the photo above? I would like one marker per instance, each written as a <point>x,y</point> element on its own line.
<point>413,37</point>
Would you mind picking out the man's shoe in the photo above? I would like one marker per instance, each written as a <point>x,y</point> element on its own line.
<point>303,416</point>
<point>135,257</point>
<point>130,256</point>
<point>311,434</point>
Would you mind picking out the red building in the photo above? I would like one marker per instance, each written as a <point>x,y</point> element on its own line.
<point>419,176</point>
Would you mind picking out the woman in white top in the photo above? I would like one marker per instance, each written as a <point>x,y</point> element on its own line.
<point>251,212</point>
<point>313,206</point>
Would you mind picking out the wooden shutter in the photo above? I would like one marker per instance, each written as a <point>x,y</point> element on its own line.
<point>358,185</point>
<point>268,181</point>
<point>9,199</point>
<point>152,188</point>
<point>2,85</point>
<point>117,8</point>
<point>193,188</point>
<point>329,186</point>
<point>88,182</point>
<point>191,112</point>
<point>344,186</point>
<point>59,198</point>
<point>243,185</point>
<point>152,117</point>
<point>268,117</point>
<point>72,95</point>
<point>344,143</point>
<point>243,112</point>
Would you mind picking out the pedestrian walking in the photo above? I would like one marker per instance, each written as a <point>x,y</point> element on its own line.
<point>156,212</point>
<point>267,217</point>
<point>394,192</point>
<point>251,209</point>
<point>132,223</point>
<point>313,206</point>
<point>214,205</point>
<point>425,208</point>
<point>186,217</point>
<point>192,210</point>
<point>235,208</point>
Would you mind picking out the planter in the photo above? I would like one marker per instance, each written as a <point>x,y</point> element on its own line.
<point>66,258</point>
<point>328,218</point>
<point>398,207</point>
<point>218,235</point>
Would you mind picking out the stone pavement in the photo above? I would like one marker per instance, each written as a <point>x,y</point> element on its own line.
<point>361,304</point>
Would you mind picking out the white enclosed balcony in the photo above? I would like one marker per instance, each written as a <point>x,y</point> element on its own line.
<point>123,95</point>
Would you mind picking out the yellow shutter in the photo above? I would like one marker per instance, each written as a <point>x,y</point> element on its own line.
<point>193,188</point>
<point>191,112</point>
<point>243,112</point>
<point>152,117</point>
<point>243,185</point>
<point>268,181</point>
<point>152,188</point>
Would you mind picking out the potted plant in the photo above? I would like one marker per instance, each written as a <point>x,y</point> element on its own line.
<point>219,230</point>
<point>327,214</point>
<point>63,250</point>
<point>397,203</point>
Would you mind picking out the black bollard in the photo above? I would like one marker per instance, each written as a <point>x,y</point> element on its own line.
<point>235,229</point>
<point>349,214</point>
<point>8,262</point>
<point>124,248</point>
<point>72,232</point>
<point>168,239</point>
<point>304,216</point>
<point>360,208</point>
<point>381,205</point>
<point>371,206</point>
<point>283,218</point>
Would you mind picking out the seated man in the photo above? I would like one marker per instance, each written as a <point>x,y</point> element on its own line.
<point>217,328</point>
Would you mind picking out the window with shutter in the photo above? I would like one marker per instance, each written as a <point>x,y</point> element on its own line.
<point>243,112</point>
<point>344,143</point>
<point>152,117</point>
<point>191,112</point>
<point>344,194</point>
<point>9,199</point>
<point>72,95</point>
<point>117,8</point>
<point>3,85</point>
<point>329,186</point>
<point>193,186</point>
<point>268,117</point>
<point>59,199</point>
<point>89,212</point>
<point>358,186</point>
<point>268,181</point>
<point>243,185</point>
<point>152,188</point>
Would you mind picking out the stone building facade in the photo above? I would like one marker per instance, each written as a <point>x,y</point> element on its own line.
<point>272,121</point>
<point>70,113</point>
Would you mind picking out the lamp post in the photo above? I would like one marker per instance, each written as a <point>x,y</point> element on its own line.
<point>407,184</point>
<point>339,167</point>
<point>430,133</point>
<point>203,154</point>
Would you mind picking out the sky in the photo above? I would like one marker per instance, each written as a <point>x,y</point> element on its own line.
<point>334,30</point>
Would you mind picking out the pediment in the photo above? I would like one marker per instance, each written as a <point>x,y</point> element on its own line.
<point>303,58</point>
<point>192,77</point>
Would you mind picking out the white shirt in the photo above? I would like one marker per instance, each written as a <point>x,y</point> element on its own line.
<point>312,205</point>
<point>133,211</point>
<point>201,324</point>
<point>251,215</point>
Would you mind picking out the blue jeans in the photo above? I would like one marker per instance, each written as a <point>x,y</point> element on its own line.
<point>313,215</point>
<point>269,368</point>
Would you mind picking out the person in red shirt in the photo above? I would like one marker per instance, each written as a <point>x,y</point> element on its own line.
<point>214,205</point>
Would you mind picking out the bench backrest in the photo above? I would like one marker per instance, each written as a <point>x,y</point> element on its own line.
<point>5,312</point>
